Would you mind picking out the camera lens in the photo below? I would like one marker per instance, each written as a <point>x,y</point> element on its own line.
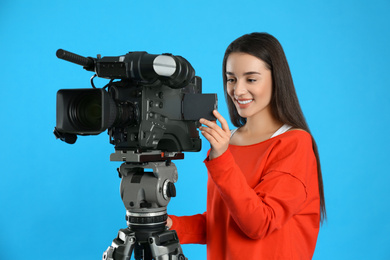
<point>86,112</point>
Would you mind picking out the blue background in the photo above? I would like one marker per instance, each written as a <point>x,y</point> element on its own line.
<point>60,201</point>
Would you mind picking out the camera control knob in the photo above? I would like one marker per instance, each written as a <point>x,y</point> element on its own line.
<point>169,190</point>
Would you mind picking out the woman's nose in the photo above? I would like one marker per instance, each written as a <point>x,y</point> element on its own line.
<point>239,88</point>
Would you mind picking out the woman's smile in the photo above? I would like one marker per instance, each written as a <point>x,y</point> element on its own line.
<point>243,103</point>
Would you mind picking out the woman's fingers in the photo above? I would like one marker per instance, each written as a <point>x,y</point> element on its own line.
<point>218,137</point>
<point>211,138</point>
<point>221,119</point>
<point>213,128</point>
<point>169,223</point>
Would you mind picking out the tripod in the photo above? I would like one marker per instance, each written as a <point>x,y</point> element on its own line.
<point>146,194</point>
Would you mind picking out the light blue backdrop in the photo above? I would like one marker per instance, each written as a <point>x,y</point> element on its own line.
<point>60,201</point>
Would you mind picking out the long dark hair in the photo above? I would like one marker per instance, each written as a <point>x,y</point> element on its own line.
<point>284,101</point>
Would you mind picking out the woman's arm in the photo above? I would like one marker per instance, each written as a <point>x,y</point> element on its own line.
<point>260,210</point>
<point>190,229</point>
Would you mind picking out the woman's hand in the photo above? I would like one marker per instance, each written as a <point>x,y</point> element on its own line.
<point>169,223</point>
<point>218,137</point>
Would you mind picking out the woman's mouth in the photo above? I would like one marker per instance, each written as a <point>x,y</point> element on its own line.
<point>243,103</point>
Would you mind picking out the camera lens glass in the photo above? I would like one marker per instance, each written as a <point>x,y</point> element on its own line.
<point>86,112</point>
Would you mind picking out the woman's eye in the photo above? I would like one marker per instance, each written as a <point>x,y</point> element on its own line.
<point>230,80</point>
<point>251,80</point>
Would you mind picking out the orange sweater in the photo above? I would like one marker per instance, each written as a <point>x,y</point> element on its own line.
<point>262,202</point>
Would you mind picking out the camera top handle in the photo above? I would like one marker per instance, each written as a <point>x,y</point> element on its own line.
<point>87,63</point>
<point>173,71</point>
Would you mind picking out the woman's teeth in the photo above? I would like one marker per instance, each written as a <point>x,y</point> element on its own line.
<point>243,102</point>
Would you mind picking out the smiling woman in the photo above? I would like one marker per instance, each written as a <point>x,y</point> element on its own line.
<point>265,197</point>
<point>284,104</point>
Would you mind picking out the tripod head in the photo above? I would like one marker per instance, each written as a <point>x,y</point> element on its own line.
<point>146,190</point>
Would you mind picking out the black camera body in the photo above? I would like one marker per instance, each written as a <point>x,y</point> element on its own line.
<point>154,105</point>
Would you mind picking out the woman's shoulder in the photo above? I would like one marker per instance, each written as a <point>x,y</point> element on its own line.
<point>295,135</point>
<point>295,141</point>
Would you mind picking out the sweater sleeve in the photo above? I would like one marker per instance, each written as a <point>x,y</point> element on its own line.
<point>280,194</point>
<point>190,229</point>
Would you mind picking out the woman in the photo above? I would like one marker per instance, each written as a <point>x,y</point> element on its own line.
<point>265,195</point>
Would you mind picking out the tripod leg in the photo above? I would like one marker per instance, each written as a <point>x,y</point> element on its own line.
<point>147,253</point>
<point>122,246</point>
<point>142,252</point>
<point>138,252</point>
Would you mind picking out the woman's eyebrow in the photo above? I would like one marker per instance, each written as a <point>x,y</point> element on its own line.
<point>245,74</point>
<point>252,72</point>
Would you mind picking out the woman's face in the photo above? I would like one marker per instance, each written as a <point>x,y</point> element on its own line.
<point>249,84</point>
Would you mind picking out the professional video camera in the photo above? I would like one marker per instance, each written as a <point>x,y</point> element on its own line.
<point>151,113</point>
